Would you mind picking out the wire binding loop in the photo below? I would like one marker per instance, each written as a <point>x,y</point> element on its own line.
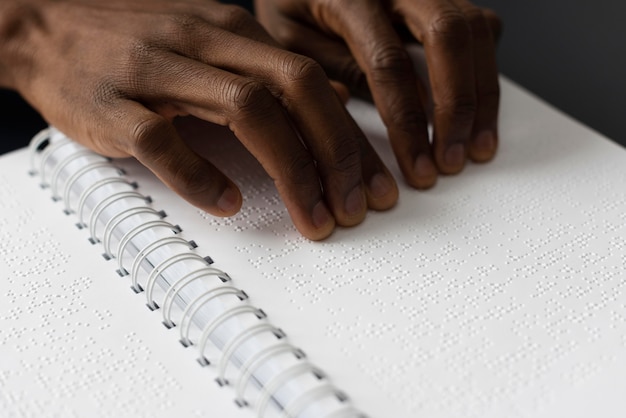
<point>134,232</point>
<point>280,379</point>
<point>58,169</point>
<point>299,404</point>
<point>262,356</point>
<point>47,152</point>
<point>235,343</point>
<point>161,267</point>
<point>88,191</point>
<point>173,291</point>
<point>74,177</point>
<point>104,204</point>
<point>36,144</point>
<point>120,217</point>
<point>220,319</point>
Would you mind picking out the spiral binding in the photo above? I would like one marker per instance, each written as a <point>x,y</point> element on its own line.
<point>179,284</point>
<point>134,232</point>
<point>36,144</point>
<point>232,345</point>
<point>51,149</point>
<point>219,320</point>
<point>58,169</point>
<point>294,408</point>
<point>280,379</point>
<point>251,365</point>
<point>158,259</point>
<point>193,307</point>
<point>120,217</point>
<point>145,252</point>
<point>164,265</point>
<point>104,204</point>
<point>78,174</point>
<point>95,186</point>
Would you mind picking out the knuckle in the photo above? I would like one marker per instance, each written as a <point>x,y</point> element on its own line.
<point>344,156</point>
<point>299,171</point>
<point>388,62</point>
<point>145,134</point>
<point>192,178</point>
<point>301,71</point>
<point>249,97</point>
<point>451,29</point>
<point>477,22</point>
<point>184,23</point>
<point>490,97</point>
<point>105,93</point>
<point>235,18</point>
<point>406,118</point>
<point>459,107</point>
<point>140,54</point>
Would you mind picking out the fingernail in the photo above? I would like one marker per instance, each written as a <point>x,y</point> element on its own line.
<point>455,155</point>
<point>380,185</point>
<point>355,201</point>
<point>485,140</point>
<point>321,215</point>
<point>229,201</point>
<point>484,144</point>
<point>424,168</point>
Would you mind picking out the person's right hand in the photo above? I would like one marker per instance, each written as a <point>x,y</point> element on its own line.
<point>362,43</point>
<point>113,75</point>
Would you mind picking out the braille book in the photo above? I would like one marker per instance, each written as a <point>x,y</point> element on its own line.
<point>500,292</point>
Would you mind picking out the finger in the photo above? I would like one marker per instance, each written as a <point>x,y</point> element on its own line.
<point>484,140</point>
<point>237,20</point>
<point>258,121</point>
<point>336,59</point>
<point>154,142</point>
<point>331,53</point>
<point>380,53</point>
<point>341,90</point>
<point>494,22</point>
<point>382,191</point>
<point>319,117</point>
<point>447,38</point>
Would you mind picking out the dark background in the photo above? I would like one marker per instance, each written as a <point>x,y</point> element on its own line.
<point>571,53</point>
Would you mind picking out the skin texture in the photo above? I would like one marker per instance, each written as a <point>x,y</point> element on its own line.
<point>361,43</point>
<point>115,74</point>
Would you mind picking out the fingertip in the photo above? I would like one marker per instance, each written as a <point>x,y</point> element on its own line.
<point>323,222</point>
<point>318,225</point>
<point>483,147</point>
<point>230,201</point>
<point>424,175</point>
<point>355,207</point>
<point>453,159</point>
<point>382,192</point>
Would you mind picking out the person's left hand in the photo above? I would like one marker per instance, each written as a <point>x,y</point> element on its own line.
<point>361,43</point>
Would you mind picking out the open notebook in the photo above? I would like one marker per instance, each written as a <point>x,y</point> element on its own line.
<point>500,292</point>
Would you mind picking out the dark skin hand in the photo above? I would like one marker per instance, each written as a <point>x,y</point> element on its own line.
<point>360,43</point>
<point>115,74</point>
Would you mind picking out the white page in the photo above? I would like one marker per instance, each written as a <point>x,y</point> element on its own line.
<point>75,340</point>
<point>500,292</point>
